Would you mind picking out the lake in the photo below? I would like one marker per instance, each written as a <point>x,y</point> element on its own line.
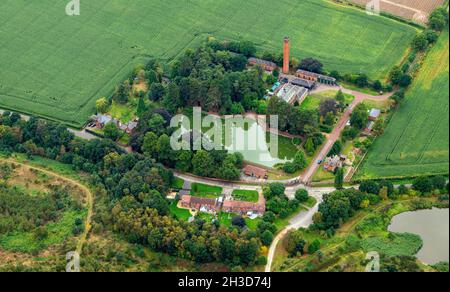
<point>432,226</point>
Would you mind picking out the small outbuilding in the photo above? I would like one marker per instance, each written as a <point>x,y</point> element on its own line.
<point>256,172</point>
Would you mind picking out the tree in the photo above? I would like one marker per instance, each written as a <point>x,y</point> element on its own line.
<point>266,238</point>
<point>398,96</point>
<point>277,189</point>
<point>340,98</point>
<point>247,48</point>
<point>141,108</point>
<point>314,247</point>
<point>369,187</point>
<point>438,19</point>
<point>423,185</point>
<point>102,105</point>
<point>349,133</point>
<point>390,187</point>
<point>377,85</point>
<point>336,149</point>
<point>294,244</point>
<point>309,146</point>
<point>301,195</point>
<point>395,75</point>
<point>420,42</point>
<point>172,100</point>
<point>329,119</point>
<point>405,80</point>
<point>328,106</point>
<point>300,162</point>
<point>111,131</point>
<point>362,80</point>
<point>431,36</point>
<point>359,117</point>
<point>439,182</point>
<point>312,65</point>
<point>384,193</point>
<point>164,150</point>
<point>122,93</point>
<point>157,91</point>
<point>149,145</point>
<point>402,190</point>
<point>339,179</point>
<point>238,221</point>
<point>238,62</point>
<point>203,164</point>
<point>184,160</point>
<point>156,124</point>
<point>378,128</point>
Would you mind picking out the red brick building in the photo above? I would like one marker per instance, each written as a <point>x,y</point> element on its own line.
<point>266,65</point>
<point>244,208</point>
<point>205,205</point>
<point>257,172</point>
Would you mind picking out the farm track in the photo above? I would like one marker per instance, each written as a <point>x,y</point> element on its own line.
<point>87,192</point>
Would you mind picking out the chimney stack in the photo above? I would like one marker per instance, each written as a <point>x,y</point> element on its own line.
<point>287,56</point>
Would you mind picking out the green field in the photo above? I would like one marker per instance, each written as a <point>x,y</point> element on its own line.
<point>246,195</point>
<point>205,191</point>
<point>416,140</point>
<point>56,66</point>
<point>312,102</point>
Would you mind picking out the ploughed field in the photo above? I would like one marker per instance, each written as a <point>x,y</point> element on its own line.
<point>56,66</point>
<point>416,10</point>
<point>416,140</point>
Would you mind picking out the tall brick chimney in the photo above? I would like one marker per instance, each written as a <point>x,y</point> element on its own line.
<point>287,51</point>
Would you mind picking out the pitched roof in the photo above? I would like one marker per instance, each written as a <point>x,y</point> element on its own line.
<point>374,113</point>
<point>321,76</point>
<point>250,169</point>
<point>303,82</point>
<point>262,62</point>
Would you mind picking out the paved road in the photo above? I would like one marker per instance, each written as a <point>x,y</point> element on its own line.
<point>302,220</point>
<point>307,176</point>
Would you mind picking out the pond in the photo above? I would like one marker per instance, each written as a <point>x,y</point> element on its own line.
<point>254,143</point>
<point>432,226</point>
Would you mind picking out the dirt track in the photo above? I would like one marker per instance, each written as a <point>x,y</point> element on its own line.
<point>88,193</point>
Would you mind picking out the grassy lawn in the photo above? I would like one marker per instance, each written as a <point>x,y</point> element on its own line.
<point>123,112</point>
<point>366,90</point>
<point>180,214</point>
<point>246,196</point>
<point>311,202</point>
<point>177,183</point>
<point>416,140</point>
<point>125,139</point>
<point>205,191</point>
<point>281,223</point>
<point>383,105</point>
<point>116,35</point>
<point>312,102</point>
<point>322,175</point>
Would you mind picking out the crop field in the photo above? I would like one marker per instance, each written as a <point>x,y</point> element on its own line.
<point>416,10</point>
<point>416,139</point>
<point>56,66</point>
